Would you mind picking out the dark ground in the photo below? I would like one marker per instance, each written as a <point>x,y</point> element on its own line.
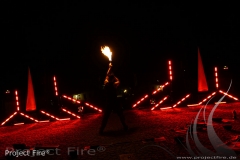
<point>143,124</point>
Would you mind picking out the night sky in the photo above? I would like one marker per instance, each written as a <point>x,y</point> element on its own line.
<point>64,39</point>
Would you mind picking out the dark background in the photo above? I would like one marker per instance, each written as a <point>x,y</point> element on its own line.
<point>64,39</point>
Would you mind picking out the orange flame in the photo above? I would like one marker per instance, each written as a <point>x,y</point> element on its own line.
<point>107,52</point>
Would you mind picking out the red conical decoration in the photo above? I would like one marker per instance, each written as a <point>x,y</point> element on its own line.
<point>31,104</point>
<point>202,82</point>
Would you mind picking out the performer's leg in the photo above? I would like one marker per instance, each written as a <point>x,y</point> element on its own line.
<point>106,115</point>
<point>121,117</point>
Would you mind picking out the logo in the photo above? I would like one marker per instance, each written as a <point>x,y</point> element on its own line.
<point>222,150</point>
<point>219,146</point>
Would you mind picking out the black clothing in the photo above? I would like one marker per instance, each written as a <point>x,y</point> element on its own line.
<point>111,105</point>
<point>110,93</point>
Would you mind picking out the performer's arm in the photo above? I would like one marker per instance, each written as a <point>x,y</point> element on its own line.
<point>106,80</point>
<point>117,82</point>
<point>109,69</point>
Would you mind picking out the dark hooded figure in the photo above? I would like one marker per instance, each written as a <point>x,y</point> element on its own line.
<point>111,83</point>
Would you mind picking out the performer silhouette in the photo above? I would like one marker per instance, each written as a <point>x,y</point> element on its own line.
<point>111,83</point>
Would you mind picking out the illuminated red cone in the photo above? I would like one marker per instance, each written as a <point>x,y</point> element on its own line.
<point>31,104</point>
<point>202,82</point>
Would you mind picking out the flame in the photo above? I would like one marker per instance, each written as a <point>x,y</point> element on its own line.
<point>107,52</point>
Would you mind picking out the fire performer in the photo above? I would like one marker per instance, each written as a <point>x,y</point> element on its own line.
<point>111,83</point>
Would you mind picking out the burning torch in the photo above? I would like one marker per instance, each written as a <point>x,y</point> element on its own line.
<point>107,52</point>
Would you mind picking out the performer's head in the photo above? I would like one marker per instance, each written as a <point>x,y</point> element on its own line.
<point>111,78</point>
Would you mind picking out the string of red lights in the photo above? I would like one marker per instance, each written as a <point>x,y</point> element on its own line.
<point>55,86</point>
<point>70,113</point>
<point>138,102</point>
<point>9,118</point>
<point>18,111</point>
<point>159,103</point>
<point>71,99</point>
<point>171,78</point>
<point>49,115</point>
<point>181,100</point>
<point>216,77</point>
<point>205,99</point>
<point>91,106</point>
<point>217,87</point>
<point>16,95</point>
<point>28,117</point>
<point>146,96</point>
<point>230,96</point>
<point>159,89</point>
<point>87,104</point>
<point>95,108</point>
<point>170,70</point>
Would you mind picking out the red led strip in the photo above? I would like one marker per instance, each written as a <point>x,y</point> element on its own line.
<point>16,94</point>
<point>44,121</point>
<point>55,86</point>
<point>154,92</point>
<point>159,102</point>
<point>50,115</point>
<point>71,99</point>
<point>189,105</point>
<point>91,106</point>
<point>17,102</point>
<point>207,98</point>
<point>18,123</point>
<point>64,119</point>
<point>228,95</point>
<point>146,96</point>
<point>170,70</point>
<point>220,102</point>
<point>216,77</point>
<point>181,100</point>
<point>29,117</point>
<point>166,108</point>
<point>70,113</point>
<point>9,118</point>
